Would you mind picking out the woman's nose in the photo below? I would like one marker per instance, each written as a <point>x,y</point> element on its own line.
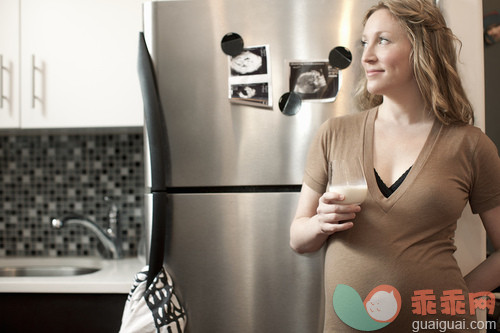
<point>368,54</point>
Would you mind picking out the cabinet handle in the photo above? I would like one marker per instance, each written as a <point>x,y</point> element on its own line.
<point>34,97</point>
<point>33,69</point>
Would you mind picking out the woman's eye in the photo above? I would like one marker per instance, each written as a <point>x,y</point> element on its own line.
<point>363,43</point>
<point>383,40</point>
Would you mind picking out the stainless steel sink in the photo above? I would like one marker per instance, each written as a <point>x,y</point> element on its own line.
<point>32,271</point>
<point>48,267</point>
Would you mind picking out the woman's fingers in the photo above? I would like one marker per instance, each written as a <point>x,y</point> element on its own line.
<point>332,197</point>
<point>333,216</point>
<point>337,217</point>
<point>331,228</point>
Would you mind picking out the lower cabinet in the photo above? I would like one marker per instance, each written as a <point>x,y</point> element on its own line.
<point>54,313</point>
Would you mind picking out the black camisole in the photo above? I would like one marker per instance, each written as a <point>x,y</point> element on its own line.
<point>387,191</point>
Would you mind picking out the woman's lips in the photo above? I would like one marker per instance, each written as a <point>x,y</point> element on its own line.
<point>373,72</point>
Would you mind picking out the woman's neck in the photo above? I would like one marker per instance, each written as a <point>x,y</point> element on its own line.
<point>404,111</point>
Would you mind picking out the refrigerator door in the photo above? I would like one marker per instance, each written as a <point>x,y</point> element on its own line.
<point>214,142</point>
<point>230,259</point>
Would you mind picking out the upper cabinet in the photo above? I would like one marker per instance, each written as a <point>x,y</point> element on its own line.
<point>9,62</point>
<point>77,63</point>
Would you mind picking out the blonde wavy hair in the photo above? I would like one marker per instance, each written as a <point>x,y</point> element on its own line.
<point>434,58</point>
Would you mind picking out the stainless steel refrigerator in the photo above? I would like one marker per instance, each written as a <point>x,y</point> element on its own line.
<point>232,161</point>
<point>240,88</point>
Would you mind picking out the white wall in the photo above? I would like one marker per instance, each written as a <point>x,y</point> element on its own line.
<point>465,18</point>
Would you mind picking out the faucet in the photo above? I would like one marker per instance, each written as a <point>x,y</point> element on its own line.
<point>110,237</point>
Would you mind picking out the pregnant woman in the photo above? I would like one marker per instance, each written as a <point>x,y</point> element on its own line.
<point>423,161</point>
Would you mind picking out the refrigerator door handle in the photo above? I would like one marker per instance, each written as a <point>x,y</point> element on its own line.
<point>154,119</point>
<point>158,146</point>
<point>158,235</point>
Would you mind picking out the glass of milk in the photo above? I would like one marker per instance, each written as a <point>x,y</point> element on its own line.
<point>347,177</point>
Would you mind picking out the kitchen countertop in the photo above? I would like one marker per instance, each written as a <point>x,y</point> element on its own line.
<point>113,277</point>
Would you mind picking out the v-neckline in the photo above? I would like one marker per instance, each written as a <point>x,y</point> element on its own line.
<point>382,201</point>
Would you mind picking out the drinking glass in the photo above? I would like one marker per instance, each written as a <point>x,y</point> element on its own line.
<point>347,177</point>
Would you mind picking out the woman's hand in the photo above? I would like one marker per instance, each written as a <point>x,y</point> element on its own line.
<point>332,215</point>
<point>318,216</point>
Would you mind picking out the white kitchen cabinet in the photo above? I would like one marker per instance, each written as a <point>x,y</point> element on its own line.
<point>9,63</point>
<point>78,63</point>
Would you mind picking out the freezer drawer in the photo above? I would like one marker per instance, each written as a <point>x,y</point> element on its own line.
<point>230,257</point>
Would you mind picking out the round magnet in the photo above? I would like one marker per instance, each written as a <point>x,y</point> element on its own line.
<point>232,44</point>
<point>340,57</point>
<point>290,103</point>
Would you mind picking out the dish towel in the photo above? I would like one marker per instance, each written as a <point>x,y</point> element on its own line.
<point>154,309</point>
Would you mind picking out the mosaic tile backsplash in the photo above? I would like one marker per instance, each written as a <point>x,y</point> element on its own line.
<point>49,175</point>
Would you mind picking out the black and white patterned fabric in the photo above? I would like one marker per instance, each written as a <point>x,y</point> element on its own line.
<point>154,309</point>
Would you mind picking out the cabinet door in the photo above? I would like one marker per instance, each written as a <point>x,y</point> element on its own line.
<point>78,63</point>
<point>9,56</point>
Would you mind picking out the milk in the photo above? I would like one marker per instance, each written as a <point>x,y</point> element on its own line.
<point>354,194</point>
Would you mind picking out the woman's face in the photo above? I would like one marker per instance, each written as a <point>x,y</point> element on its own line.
<point>386,55</point>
